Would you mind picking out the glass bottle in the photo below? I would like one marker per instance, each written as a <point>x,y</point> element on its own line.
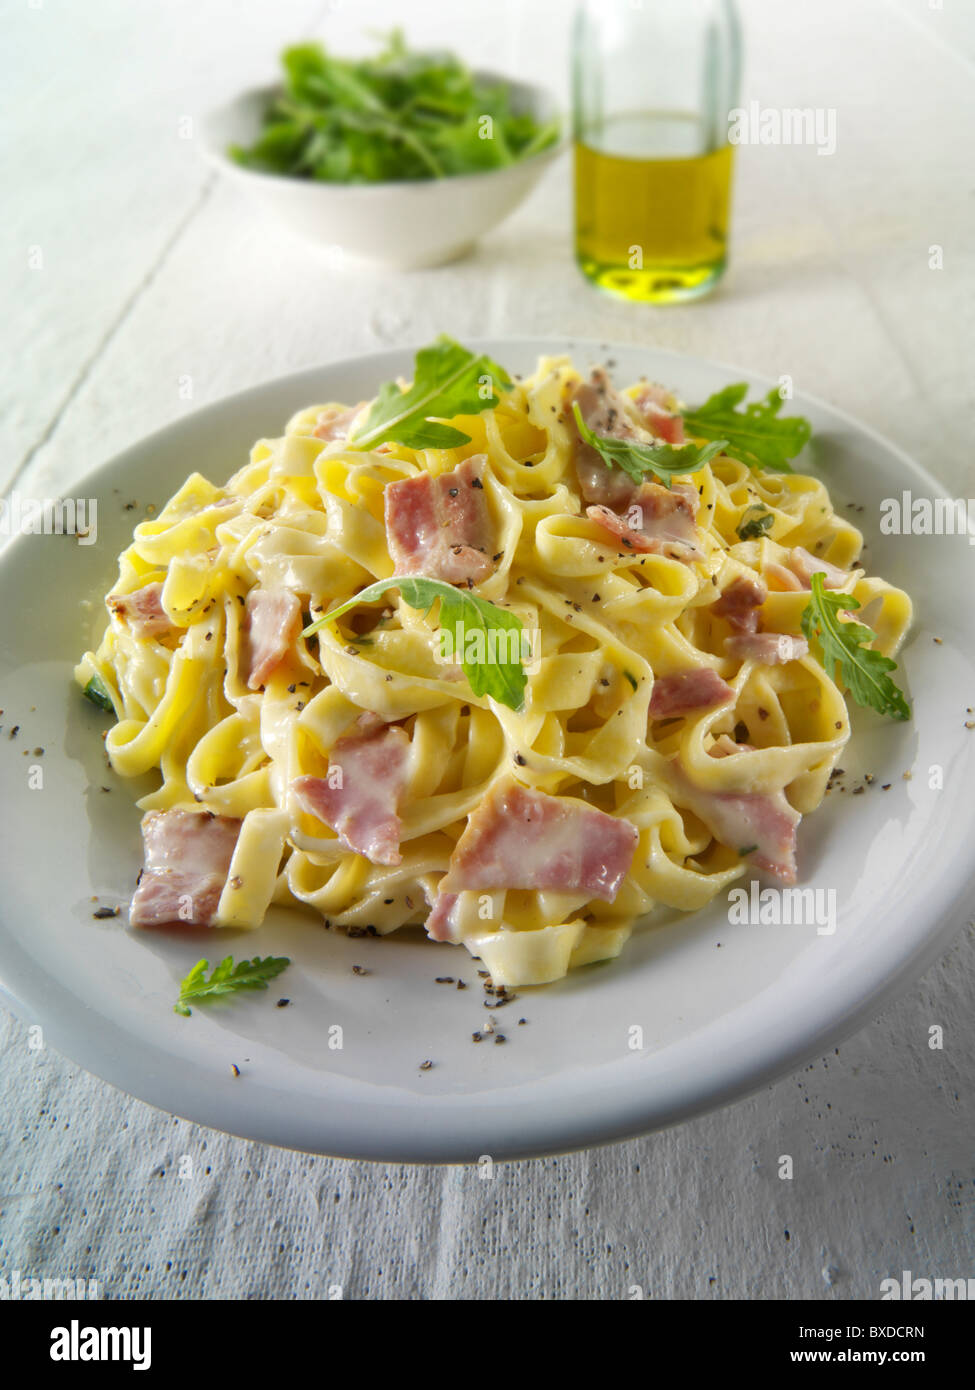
<point>653,84</point>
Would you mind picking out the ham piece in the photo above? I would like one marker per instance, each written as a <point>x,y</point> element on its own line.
<point>272,621</point>
<point>604,412</point>
<point>761,824</point>
<point>804,565</point>
<point>521,838</point>
<point>441,527</point>
<point>699,688</point>
<point>360,795</point>
<point>440,924</point>
<point>652,403</point>
<point>187,857</point>
<point>770,648</point>
<point>645,517</point>
<point>659,520</point>
<point>143,611</point>
<point>335,421</point>
<point>740,602</point>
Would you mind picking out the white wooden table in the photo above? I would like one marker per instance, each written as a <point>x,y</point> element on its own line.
<point>139,287</point>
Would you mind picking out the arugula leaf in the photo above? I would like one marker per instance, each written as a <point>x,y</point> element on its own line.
<point>499,672</point>
<point>312,76</point>
<point>636,459</point>
<point>97,692</point>
<point>227,978</point>
<point>757,435</point>
<point>447,380</point>
<point>754,529</point>
<point>845,644</point>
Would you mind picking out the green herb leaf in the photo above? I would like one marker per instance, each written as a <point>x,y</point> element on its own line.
<point>662,460</point>
<point>491,662</point>
<point>754,528</point>
<point>757,435</point>
<point>845,644</point>
<point>227,978</point>
<point>97,692</point>
<point>447,380</point>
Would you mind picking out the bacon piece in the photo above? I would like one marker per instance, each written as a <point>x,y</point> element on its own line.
<point>521,838</point>
<point>440,926</point>
<point>770,648</point>
<point>652,401</point>
<point>359,797</point>
<point>187,857</point>
<point>804,565</point>
<point>740,602</point>
<point>441,527</point>
<point>762,823</point>
<point>604,411</point>
<point>272,621</point>
<point>335,421</point>
<point>699,688</point>
<point>659,520</point>
<point>142,610</point>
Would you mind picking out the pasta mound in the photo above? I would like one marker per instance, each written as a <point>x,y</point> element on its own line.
<point>307,516</point>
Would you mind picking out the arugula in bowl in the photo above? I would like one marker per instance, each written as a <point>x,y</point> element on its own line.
<point>400,116</point>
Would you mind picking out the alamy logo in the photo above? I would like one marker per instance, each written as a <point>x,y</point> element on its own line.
<point>491,647</point>
<point>787,125</point>
<point>77,1343</point>
<point>50,516</point>
<point>756,906</point>
<point>922,1290</point>
<point>25,1287</point>
<point>908,515</point>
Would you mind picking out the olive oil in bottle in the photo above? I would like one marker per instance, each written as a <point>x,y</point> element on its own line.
<point>651,225</point>
<point>653,85</point>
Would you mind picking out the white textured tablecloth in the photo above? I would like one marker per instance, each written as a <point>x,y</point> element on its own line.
<point>160,289</point>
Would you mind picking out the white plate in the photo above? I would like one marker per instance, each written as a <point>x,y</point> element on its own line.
<point>722,1009</point>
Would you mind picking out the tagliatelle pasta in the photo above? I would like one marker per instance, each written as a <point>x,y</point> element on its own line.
<point>670,689</point>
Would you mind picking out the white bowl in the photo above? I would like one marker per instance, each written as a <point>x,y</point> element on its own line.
<point>407,225</point>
